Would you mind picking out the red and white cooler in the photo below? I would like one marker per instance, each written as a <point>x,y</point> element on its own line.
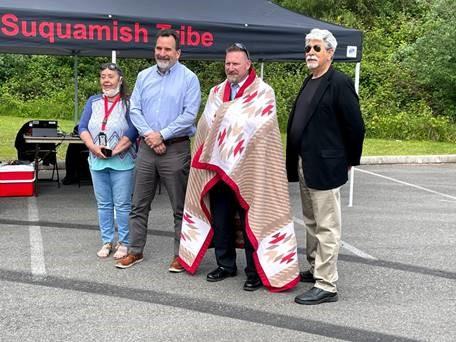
<point>17,180</point>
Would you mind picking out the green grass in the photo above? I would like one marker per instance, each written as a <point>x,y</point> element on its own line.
<point>9,125</point>
<point>381,147</point>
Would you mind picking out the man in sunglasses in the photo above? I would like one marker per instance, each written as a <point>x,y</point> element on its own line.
<point>325,139</point>
<point>164,105</point>
<point>238,170</point>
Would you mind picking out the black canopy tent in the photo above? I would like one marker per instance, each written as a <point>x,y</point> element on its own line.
<point>97,27</point>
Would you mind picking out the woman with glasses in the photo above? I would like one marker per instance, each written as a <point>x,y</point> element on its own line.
<point>108,133</point>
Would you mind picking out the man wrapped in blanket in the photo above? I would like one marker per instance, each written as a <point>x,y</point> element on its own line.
<point>238,169</point>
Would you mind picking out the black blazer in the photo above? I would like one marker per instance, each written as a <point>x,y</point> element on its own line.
<point>332,134</point>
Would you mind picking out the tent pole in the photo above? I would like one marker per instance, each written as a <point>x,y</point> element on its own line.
<point>113,56</point>
<point>352,172</point>
<point>76,88</point>
<point>357,72</point>
<point>352,181</point>
<point>261,69</point>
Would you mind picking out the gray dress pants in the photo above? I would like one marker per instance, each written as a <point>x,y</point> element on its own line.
<point>171,169</point>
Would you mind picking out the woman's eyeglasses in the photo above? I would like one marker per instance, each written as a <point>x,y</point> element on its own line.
<point>317,48</point>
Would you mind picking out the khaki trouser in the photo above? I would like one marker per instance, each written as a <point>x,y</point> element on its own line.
<point>322,217</point>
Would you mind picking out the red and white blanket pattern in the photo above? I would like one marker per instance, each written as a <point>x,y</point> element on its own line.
<point>239,143</point>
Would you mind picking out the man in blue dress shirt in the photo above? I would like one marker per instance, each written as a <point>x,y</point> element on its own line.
<point>164,105</point>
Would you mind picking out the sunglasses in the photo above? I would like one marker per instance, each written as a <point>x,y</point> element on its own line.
<point>242,47</point>
<point>111,66</point>
<point>308,48</point>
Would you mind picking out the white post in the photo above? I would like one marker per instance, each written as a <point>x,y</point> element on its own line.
<point>352,172</point>
<point>352,181</point>
<point>357,72</point>
<point>113,56</point>
<point>76,88</point>
<point>261,70</point>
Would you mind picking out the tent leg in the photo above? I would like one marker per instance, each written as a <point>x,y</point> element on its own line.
<point>352,172</point>
<point>113,56</point>
<point>76,89</point>
<point>352,181</point>
<point>357,72</point>
<point>261,70</point>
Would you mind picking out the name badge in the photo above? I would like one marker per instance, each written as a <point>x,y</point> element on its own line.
<point>102,139</point>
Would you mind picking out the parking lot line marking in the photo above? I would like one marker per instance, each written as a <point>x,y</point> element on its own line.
<point>357,251</point>
<point>347,246</point>
<point>408,184</point>
<point>37,264</point>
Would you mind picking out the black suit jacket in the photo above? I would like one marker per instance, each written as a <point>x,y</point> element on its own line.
<point>332,134</point>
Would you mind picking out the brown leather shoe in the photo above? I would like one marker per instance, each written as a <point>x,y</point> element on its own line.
<point>129,260</point>
<point>175,266</point>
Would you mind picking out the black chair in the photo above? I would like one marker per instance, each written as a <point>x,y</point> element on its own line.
<point>46,153</point>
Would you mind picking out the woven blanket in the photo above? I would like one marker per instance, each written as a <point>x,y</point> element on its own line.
<point>238,142</point>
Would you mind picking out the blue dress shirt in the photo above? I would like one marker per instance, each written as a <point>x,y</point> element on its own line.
<point>166,102</point>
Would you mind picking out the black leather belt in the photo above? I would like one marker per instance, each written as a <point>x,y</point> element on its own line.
<point>176,140</point>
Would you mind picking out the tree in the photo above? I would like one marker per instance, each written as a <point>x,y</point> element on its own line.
<point>431,58</point>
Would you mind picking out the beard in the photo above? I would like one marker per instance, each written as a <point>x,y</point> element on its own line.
<point>311,62</point>
<point>234,79</point>
<point>163,64</point>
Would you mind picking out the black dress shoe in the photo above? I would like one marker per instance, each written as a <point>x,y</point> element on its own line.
<point>252,283</point>
<point>307,277</point>
<point>219,274</point>
<point>316,296</point>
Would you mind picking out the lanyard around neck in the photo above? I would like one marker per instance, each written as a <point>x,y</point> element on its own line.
<point>108,111</point>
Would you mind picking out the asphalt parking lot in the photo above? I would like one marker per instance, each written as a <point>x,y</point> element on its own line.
<point>397,272</point>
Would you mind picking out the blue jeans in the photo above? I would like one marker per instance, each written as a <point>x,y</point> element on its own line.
<point>113,191</point>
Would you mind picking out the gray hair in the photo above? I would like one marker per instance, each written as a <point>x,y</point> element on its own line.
<point>325,36</point>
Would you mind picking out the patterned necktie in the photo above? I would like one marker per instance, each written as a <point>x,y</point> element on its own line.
<point>234,90</point>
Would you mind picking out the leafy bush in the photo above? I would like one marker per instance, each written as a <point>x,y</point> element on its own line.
<point>286,80</point>
<point>405,126</point>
